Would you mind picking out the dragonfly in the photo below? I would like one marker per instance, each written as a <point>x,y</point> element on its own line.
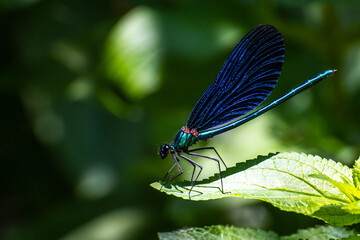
<point>246,79</point>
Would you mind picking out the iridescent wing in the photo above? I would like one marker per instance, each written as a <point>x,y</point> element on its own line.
<point>244,82</point>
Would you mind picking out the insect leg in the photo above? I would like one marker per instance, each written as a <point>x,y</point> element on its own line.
<point>175,164</point>
<point>167,173</point>
<point>212,148</point>
<point>192,162</point>
<point>215,159</point>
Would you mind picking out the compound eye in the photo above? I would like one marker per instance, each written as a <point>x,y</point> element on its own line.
<point>164,150</point>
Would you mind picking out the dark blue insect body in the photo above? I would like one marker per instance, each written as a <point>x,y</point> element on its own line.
<point>244,82</point>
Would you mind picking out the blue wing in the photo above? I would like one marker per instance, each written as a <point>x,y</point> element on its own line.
<point>244,82</point>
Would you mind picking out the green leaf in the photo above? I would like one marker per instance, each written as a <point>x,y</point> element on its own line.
<point>346,188</point>
<point>294,182</point>
<point>321,232</point>
<point>356,173</point>
<point>219,232</point>
<point>231,232</point>
<point>353,208</point>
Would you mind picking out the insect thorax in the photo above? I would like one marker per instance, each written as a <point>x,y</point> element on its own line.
<point>185,138</point>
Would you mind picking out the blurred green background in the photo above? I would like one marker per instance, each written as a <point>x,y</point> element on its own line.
<point>91,89</point>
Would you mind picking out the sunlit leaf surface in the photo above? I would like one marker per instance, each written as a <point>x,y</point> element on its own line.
<point>289,181</point>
